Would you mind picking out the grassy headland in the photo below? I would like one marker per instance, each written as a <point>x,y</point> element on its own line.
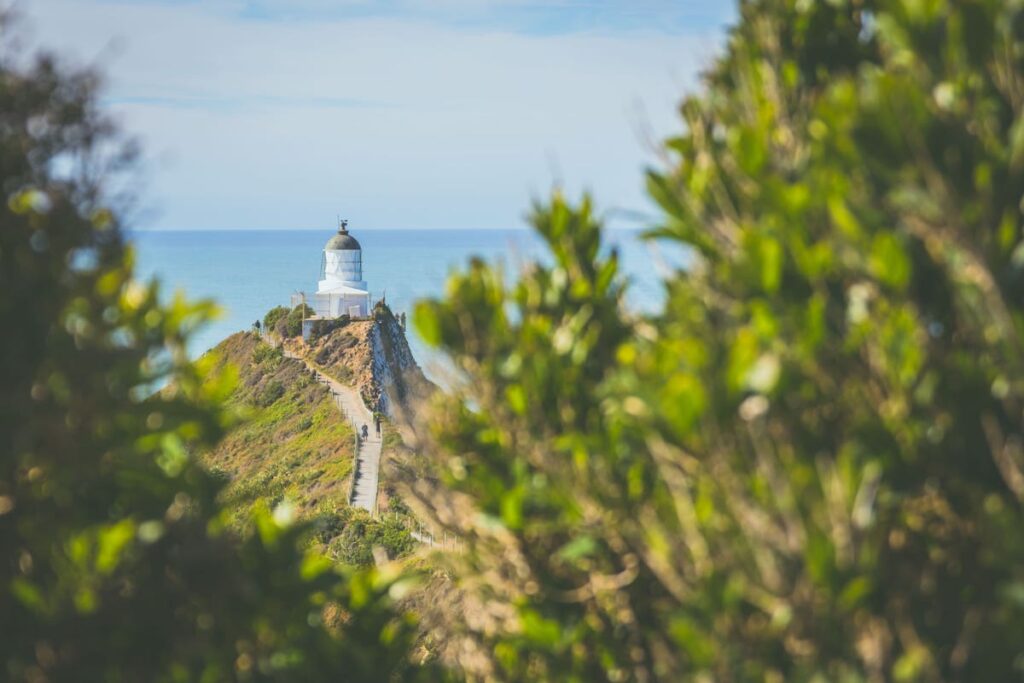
<point>295,447</point>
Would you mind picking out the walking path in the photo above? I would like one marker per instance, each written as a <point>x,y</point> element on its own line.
<point>367,467</point>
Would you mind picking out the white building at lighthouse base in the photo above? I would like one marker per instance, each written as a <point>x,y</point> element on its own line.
<point>339,300</point>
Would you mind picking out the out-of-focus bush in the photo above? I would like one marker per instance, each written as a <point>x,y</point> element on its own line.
<point>115,560</point>
<point>810,464</point>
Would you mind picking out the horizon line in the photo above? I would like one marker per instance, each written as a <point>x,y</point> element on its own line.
<point>520,228</point>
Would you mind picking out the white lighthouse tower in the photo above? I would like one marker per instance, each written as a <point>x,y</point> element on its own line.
<point>342,290</point>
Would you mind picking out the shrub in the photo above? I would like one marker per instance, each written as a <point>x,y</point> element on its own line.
<point>117,565</point>
<point>324,327</point>
<point>269,394</point>
<point>291,325</point>
<point>273,316</point>
<point>362,533</point>
<point>342,373</point>
<point>265,353</point>
<point>807,465</point>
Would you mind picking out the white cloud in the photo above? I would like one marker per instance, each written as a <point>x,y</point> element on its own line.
<point>393,122</point>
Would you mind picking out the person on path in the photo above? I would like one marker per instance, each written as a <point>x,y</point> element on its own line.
<point>377,422</point>
<point>366,432</point>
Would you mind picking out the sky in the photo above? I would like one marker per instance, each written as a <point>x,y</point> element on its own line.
<point>283,114</point>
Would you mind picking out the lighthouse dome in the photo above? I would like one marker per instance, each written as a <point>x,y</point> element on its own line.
<point>342,241</point>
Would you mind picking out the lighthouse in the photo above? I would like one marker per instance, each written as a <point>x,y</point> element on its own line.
<point>342,290</point>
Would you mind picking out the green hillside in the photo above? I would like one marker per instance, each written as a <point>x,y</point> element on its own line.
<point>294,451</point>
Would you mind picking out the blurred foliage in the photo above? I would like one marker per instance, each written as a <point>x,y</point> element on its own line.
<point>809,465</point>
<point>117,564</point>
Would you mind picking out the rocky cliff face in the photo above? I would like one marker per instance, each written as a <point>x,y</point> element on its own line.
<point>397,376</point>
<point>373,356</point>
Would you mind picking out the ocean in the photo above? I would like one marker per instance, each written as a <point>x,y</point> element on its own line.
<point>248,272</point>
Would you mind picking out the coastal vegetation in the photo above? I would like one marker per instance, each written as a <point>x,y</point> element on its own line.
<point>286,322</point>
<point>274,316</point>
<point>293,450</point>
<point>808,465</point>
<point>293,442</point>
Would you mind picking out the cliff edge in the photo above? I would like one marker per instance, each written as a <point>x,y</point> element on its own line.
<point>371,355</point>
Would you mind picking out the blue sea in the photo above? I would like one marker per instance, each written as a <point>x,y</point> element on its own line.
<point>249,272</point>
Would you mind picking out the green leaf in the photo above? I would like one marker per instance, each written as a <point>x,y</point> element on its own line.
<point>112,542</point>
<point>581,546</point>
<point>426,321</point>
<point>889,261</point>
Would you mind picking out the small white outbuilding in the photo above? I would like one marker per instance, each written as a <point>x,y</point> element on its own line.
<point>342,290</point>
